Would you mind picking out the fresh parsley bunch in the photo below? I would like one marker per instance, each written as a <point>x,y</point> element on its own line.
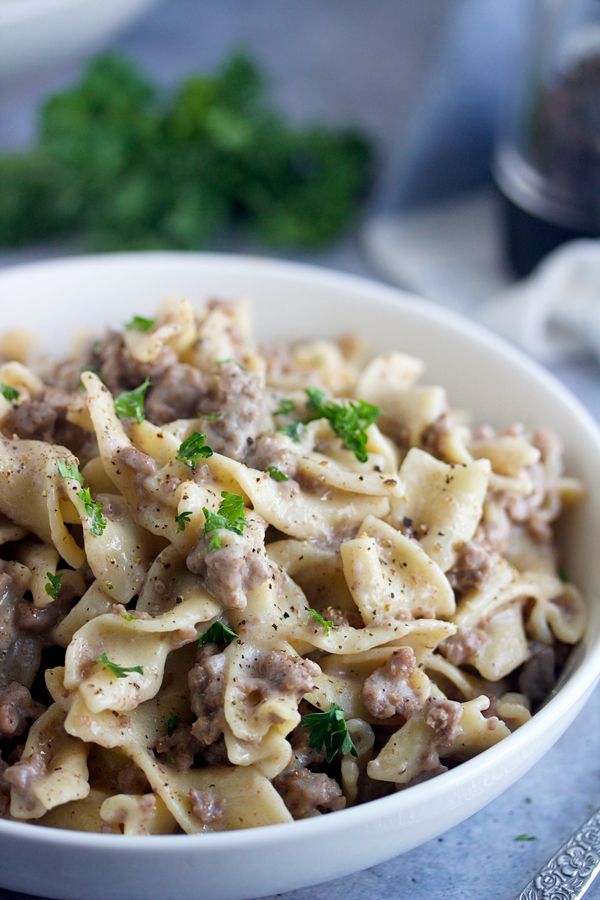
<point>125,166</point>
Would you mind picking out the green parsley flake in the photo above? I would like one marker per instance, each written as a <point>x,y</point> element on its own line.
<point>9,393</point>
<point>276,474</point>
<point>328,731</point>
<point>229,359</point>
<point>525,837</point>
<point>130,404</point>
<point>294,431</point>
<point>69,470</point>
<point>53,585</point>
<point>97,523</point>
<point>231,515</point>
<point>129,617</point>
<point>172,724</point>
<point>218,633</point>
<point>139,323</point>
<point>117,670</point>
<point>562,574</point>
<point>285,408</point>
<point>214,417</point>
<point>326,624</point>
<point>193,449</point>
<point>348,420</point>
<point>182,519</point>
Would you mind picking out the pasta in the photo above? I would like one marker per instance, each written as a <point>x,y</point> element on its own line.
<point>244,585</point>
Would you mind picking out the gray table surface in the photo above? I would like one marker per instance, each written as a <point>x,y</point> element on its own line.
<point>385,48</point>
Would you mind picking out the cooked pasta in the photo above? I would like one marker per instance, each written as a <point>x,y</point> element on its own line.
<point>241,586</point>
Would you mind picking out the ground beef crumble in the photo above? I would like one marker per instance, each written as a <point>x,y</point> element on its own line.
<point>388,691</point>
<point>207,807</point>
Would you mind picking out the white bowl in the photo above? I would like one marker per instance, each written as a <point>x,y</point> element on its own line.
<point>483,374</point>
<point>35,32</point>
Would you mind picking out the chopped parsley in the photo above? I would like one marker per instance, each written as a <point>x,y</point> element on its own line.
<point>348,420</point>
<point>229,359</point>
<point>276,474</point>
<point>53,585</point>
<point>129,617</point>
<point>285,407</point>
<point>172,724</point>
<point>218,633</point>
<point>562,574</point>
<point>231,515</point>
<point>130,404</point>
<point>182,519</point>
<point>117,670</point>
<point>294,431</point>
<point>328,731</point>
<point>9,393</point>
<point>326,624</point>
<point>69,470</point>
<point>525,837</point>
<point>214,417</point>
<point>97,522</point>
<point>139,323</point>
<point>193,449</point>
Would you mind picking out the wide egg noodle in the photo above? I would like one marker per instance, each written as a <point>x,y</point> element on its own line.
<point>429,571</point>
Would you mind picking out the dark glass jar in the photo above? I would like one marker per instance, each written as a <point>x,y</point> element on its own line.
<point>547,161</point>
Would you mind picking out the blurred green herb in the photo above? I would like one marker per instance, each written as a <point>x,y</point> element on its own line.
<point>9,393</point>
<point>128,167</point>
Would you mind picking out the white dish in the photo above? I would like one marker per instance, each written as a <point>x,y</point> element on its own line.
<point>34,32</point>
<point>482,373</point>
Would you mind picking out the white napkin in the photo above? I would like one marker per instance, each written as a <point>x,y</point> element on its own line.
<point>555,313</point>
<point>450,253</point>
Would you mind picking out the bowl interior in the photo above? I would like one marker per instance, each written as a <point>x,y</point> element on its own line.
<point>482,374</point>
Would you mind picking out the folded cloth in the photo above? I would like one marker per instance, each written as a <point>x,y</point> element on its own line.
<point>554,314</point>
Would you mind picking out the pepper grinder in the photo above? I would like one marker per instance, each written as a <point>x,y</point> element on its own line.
<point>547,159</point>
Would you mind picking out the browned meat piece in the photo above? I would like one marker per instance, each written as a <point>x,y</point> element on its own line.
<point>41,620</point>
<point>272,450</point>
<point>138,461</point>
<point>119,370</point>
<point>444,716</point>
<point>176,394</point>
<point>459,648</point>
<point>16,710</point>
<point>521,507</point>
<point>230,571</point>
<point>180,747</point>
<point>472,566</point>
<point>131,780</point>
<point>19,653</point>
<point>23,775</point>
<point>34,419</point>
<point>277,672</point>
<point>239,396</point>
<point>433,437</point>
<point>538,675</point>
<point>388,690</point>
<point>206,686</point>
<point>308,794</point>
<point>215,754</point>
<point>45,419</point>
<point>207,807</point>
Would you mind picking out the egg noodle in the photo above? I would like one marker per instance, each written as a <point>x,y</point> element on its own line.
<point>242,586</point>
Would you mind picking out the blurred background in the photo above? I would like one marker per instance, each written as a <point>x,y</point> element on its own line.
<point>338,64</point>
<point>448,146</point>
